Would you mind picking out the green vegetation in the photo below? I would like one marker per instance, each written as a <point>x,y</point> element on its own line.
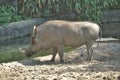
<point>12,53</point>
<point>48,52</point>
<point>8,14</point>
<point>85,9</point>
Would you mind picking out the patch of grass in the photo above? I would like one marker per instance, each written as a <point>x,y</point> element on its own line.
<point>42,53</point>
<point>10,53</point>
<point>67,49</point>
<point>13,54</point>
<point>49,52</point>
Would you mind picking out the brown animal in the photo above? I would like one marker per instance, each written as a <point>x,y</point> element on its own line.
<point>57,34</point>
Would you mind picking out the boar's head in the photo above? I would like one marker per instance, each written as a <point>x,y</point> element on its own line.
<point>34,44</point>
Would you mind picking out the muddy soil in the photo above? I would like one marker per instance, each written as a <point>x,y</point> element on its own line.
<point>105,65</point>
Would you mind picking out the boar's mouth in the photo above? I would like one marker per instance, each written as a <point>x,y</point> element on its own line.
<point>27,52</point>
<point>30,53</point>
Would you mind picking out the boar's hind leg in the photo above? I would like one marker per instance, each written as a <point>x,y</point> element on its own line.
<point>54,53</point>
<point>89,50</point>
<point>60,49</point>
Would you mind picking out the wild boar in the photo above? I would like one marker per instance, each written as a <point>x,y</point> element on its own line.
<point>58,34</point>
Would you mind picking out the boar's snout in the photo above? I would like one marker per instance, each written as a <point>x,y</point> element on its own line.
<point>27,52</point>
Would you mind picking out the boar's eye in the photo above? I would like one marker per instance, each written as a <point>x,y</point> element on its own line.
<point>33,37</point>
<point>33,41</point>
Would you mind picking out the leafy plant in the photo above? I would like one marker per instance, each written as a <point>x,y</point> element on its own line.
<point>7,14</point>
<point>86,9</point>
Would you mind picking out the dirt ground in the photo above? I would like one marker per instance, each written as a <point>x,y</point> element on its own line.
<point>105,65</point>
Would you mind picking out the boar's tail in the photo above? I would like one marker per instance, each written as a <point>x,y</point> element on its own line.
<point>100,36</point>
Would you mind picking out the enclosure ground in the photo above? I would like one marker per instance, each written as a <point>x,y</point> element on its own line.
<point>105,65</point>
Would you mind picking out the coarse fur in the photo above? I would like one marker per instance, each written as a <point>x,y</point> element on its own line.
<point>58,34</point>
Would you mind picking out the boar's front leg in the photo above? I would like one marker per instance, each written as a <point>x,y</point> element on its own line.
<point>54,53</point>
<point>60,49</point>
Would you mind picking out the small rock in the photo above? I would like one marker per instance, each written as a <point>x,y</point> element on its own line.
<point>118,77</point>
<point>104,77</point>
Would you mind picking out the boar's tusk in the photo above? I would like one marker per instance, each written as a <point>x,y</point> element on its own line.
<point>23,50</point>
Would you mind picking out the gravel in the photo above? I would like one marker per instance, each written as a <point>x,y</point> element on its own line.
<point>105,65</point>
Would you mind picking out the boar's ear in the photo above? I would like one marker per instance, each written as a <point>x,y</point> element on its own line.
<point>35,30</point>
